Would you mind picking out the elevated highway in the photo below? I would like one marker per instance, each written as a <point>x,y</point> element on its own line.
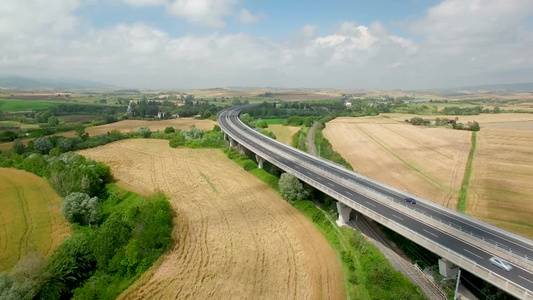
<point>457,238</point>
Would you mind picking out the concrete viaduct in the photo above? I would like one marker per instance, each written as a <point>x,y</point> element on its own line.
<point>461,241</point>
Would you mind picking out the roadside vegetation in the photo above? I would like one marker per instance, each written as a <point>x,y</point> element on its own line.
<point>117,235</point>
<point>461,206</point>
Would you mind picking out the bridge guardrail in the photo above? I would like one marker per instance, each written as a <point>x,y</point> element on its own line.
<point>441,250</point>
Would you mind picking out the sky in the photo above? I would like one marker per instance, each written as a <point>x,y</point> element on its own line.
<point>185,44</point>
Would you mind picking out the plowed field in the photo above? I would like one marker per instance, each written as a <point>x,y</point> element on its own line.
<point>30,217</point>
<point>427,162</point>
<point>234,237</point>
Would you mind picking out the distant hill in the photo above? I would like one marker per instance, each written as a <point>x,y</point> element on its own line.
<point>24,83</point>
<point>508,87</point>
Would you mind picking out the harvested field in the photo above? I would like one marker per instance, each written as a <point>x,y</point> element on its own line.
<point>427,162</point>
<point>483,119</point>
<point>283,133</point>
<point>30,218</point>
<point>133,125</point>
<point>501,186</point>
<point>234,237</point>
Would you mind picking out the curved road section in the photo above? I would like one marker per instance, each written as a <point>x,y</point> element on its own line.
<point>465,241</point>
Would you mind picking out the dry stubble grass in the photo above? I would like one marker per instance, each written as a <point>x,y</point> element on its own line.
<point>30,218</point>
<point>234,237</point>
<point>283,133</point>
<point>428,162</point>
<point>501,186</point>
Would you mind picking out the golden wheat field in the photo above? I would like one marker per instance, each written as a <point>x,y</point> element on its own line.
<point>234,237</point>
<point>501,184</point>
<point>427,162</point>
<point>283,133</point>
<point>30,218</point>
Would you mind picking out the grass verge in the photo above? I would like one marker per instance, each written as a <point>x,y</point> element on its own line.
<point>461,205</point>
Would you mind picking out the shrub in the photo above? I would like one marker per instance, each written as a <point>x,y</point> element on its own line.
<point>80,208</point>
<point>170,129</point>
<point>70,265</point>
<point>18,146</point>
<point>291,189</point>
<point>43,145</point>
<point>145,131</point>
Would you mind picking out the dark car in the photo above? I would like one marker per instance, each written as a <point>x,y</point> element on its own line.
<point>410,200</point>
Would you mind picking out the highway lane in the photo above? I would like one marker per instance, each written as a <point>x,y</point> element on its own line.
<point>479,256</point>
<point>519,247</point>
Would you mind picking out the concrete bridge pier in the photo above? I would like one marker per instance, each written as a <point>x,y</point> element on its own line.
<point>344,214</point>
<point>447,268</point>
<point>232,143</point>
<point>260,161</point>
<point>225,136</point>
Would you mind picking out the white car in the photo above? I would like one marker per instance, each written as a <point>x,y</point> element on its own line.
<point>500,263</point>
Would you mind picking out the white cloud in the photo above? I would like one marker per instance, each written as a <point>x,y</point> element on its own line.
<point>247,17</point>
<point>22,17</point>
<point>448,51</point>
<point>140,3</point>
<point>203,12</point>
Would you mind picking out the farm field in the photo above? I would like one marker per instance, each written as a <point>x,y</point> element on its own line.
<point>283,133</point>
<point>30,218</point>
<point>9,105</point>
<point>133,125</point>
<point>234,237</point>
<point>485,120</point>
<point>427,162</point>
<point>501,187</point>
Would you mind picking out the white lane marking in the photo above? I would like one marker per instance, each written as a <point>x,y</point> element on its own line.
<point>370,203</point>
<point>330,184</point>
<point>525,278</point>
<point>473,253</point>
<point>309,173</point>
<point>397,217</point>
<point>296,166</point>
<point>431,233</point>
<point>349,193</point>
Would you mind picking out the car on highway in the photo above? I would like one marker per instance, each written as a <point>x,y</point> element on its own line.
<point>500,263</point>
<point>410,200</point>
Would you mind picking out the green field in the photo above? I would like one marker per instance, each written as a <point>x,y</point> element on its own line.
<point>273,121</point>
<point>12,105</point>
<point>30,218</point>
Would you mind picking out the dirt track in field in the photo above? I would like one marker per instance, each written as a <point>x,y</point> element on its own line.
<point>427,162</point>
<point>234,237</point>
<point>30,217</point>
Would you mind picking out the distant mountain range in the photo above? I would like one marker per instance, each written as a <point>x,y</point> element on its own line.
<point>24,83</point>
<point>505,87</point>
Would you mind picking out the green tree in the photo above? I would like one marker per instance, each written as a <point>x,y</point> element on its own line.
<point>18,146</point>
<point>43,145</point>
<point>145,131</point>
<point>170,129</point>
<point>291,189</point>
<point>80,208</point>
<point>474,126</point>
<point>53,121</point>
